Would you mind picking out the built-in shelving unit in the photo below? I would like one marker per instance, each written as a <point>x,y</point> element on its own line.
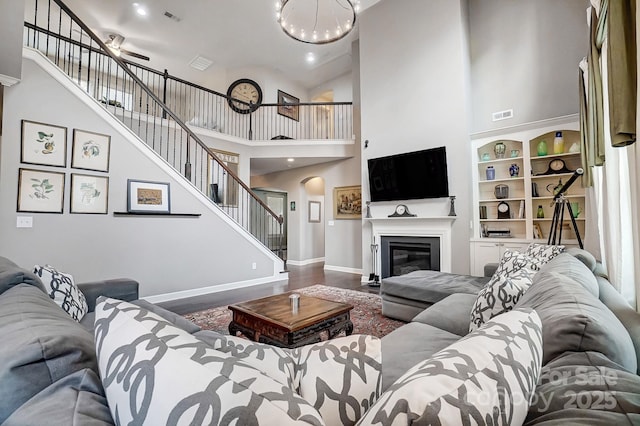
<point>523,225</point>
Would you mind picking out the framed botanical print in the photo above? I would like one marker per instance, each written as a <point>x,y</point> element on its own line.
<point>89,194</point>
<point>90,151</point>
<point>43,144</point>
<point>40,191</point>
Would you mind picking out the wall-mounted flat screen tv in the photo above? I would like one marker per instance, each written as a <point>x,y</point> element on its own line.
<point>409,176</point>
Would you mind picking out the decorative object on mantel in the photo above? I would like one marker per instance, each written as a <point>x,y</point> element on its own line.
<point>452,207</point>
<point>368,216</point>
<point>319,21</point>
<point>402,211</point>
<point>148,197</point>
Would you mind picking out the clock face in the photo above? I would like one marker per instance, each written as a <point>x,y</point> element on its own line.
<point>556,165</point>
<point>401,209</point>
<point>503,207</point>
<point>247,91</point>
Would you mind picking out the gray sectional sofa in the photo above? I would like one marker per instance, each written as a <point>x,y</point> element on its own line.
<point>590,347</point>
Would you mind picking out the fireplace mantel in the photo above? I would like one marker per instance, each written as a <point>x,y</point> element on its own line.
<point>434,226</point>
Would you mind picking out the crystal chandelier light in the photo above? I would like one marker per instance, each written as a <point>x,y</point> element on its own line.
<point>317,21</point>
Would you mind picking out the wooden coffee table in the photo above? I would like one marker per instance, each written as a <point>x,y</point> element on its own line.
<point>272,320</point>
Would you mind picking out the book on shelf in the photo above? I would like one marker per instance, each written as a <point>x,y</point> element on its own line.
<point>521,211</point>
<point>537,231</point>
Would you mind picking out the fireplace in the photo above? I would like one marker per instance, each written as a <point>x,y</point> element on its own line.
<point>403,254</point>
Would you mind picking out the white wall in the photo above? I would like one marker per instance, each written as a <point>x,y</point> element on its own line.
<point>165,254</point>
<point>11,30</point>
<point>413,88</point>
<point>312,233</point>
<point>342,88</point>
<point>524,56</point>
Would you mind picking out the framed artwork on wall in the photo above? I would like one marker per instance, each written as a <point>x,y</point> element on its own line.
<point>40,191</point>
<point>89,194</point>
<point>347,202</point>
<point>148,197</point>
<point>288,105</point>
<point>44,144</point>
<point>90,151</point>
<point>314,211</point>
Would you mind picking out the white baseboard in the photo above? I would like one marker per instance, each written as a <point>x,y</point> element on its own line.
<point>166,297</point>
<point>305,262</point>
<point>343,269</point>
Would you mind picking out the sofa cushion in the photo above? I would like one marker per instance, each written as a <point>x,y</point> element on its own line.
<point>12,275</point>
<point>408,345</point>
<point>140,354</point>
<point>430,286</point>
<point>500,295</point>
<point>545,252</point>
<point>450,314</point>
<point>512,261</point>
<point>63,290</point>
<point>584,257</point>
<point>570,266</point>
<point>41,344</point>
<point>574,320</point>
<point>488,377</point>
<point>77,399</point>
<point>342,396</point>
<point>585,388</point>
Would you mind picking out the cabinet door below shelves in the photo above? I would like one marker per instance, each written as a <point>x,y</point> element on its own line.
<point>484,252</point>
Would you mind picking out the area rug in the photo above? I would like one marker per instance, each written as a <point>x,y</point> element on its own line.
<point>366,315</point>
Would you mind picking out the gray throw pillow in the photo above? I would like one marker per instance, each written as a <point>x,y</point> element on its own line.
<point>574,320</point>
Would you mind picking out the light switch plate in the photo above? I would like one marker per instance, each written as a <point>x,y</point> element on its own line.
<point>24,222</point>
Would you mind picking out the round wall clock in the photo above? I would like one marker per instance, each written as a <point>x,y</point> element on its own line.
<point>244,90</point>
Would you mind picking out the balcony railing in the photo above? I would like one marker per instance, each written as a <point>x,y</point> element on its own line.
<point>59,34</point>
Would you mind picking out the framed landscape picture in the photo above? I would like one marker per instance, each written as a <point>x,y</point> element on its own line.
<point>40,191</point>
<point>148,197</point>
<point>43,144</point>
<point>347,202</point>
<point>288,105</point>
<point>90,151</point>
<point>89,194</point>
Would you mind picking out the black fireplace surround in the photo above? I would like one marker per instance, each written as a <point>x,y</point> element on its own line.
<point>401,255</point>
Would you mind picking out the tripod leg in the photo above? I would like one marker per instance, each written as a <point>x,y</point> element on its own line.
<point>562,205</point>
<point>575,226</point>
<point>554,223</point>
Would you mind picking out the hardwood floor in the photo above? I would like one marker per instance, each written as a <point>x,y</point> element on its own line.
<point>299,277</point>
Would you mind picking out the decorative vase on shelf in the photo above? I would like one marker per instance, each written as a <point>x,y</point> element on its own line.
<point>540,214</point>
<point>558,144</point>
<point>499,149</point>
<point>542,148</point>
<point>491,173</point>
<point>574,147</point>
<point>514,170</point>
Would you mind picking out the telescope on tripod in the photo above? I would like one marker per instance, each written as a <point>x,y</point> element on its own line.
<point>561,204</point>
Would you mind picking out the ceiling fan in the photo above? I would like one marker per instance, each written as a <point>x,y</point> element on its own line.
<point>114,42</point>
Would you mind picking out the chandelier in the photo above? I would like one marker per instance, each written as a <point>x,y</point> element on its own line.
<point>317,21</point>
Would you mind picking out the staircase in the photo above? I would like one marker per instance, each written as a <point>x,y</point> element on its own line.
<point>60,35</point>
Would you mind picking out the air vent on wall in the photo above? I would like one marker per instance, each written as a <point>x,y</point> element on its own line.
<point>171,16</point>
<point>502,115</point>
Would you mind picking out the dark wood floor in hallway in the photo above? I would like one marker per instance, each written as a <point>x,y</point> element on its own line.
<point>299,277</point>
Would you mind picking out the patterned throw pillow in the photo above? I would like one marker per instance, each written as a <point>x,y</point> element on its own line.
<point>63,291</point>
<point>500,295</point>
<point>238,382</point>
<point>513,261</point>
<point>487,377</point>
<point>543,251</point>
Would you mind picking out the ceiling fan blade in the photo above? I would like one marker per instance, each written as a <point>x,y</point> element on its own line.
<point>134,54</point>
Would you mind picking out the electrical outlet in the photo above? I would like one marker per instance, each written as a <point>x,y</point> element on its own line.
<point>331,223</point>
<point>24,222</point>
<point>254,265</point>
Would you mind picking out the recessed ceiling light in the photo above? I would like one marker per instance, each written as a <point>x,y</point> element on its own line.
<point>310,57</point>
<point>140,9</point>
<point>291,160</point>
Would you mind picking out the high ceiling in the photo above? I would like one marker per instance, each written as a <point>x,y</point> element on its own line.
<point>234,34</point>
